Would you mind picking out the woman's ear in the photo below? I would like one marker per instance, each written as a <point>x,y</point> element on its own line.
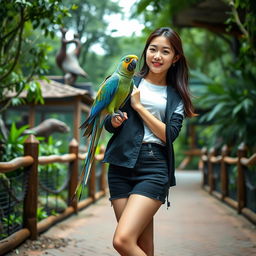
<point>176,58</point>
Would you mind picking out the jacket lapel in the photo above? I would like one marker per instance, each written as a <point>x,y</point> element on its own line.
<point>136,80</point>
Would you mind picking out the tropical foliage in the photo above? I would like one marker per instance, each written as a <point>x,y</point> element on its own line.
<point>13,144</point>
<point>232,111</point>
<point>158,13</point>
<point>21,55</point>
<point>232,100</point>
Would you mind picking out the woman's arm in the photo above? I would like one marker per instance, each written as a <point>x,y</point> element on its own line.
<point>175,126</point>
<point>154,124</point>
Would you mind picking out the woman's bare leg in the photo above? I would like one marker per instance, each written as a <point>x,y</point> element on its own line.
<point>135,218</point>
<point>145,241</point>
<point>119,205</point>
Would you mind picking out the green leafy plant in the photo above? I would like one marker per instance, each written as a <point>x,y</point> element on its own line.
<point>54,213</point>
<point>13,145</point>
<point>232,113</point>
<point>3,235</point>
<point>41,214</point>
<point>12,220</point>
<point>51,147</point>
<point>22,56</point>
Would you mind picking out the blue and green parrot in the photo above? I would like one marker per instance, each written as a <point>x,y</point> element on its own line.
<point>112,95</point>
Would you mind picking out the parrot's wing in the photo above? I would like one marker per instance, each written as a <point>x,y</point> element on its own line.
<point>105,94</point>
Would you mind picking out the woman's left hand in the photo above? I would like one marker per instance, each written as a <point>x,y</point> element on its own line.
<point>135,99</point>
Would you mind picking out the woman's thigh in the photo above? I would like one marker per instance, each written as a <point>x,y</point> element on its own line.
<point>145,240</point>
<point>136,216</point>
<point>119,205</point>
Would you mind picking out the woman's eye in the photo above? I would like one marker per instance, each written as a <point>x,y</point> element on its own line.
<point>152,49</point>
<point>166,52</point>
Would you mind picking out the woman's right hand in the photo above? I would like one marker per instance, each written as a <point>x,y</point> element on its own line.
<point>117,120</point>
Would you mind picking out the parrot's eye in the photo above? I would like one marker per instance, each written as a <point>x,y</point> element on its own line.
<point>127,59</point>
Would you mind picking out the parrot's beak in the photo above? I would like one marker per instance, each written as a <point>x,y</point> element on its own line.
<point>132,65</point>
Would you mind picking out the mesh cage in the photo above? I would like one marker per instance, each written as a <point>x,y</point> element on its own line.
<point>217,176</point>
<point>250,188</point>
<point>232,181</point>
<point>13,187</point>
<point>53,189</point>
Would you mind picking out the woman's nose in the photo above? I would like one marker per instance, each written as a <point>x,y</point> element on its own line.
<point>157,55</point>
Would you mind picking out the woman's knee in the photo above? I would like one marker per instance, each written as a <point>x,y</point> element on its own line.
<point>122,242</point>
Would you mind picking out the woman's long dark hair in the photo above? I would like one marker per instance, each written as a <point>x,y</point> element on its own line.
<point>177,74</point>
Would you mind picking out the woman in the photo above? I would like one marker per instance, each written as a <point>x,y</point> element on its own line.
<point>140,151</point>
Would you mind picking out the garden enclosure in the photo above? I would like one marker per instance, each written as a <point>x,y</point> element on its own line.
<point>34,198</point>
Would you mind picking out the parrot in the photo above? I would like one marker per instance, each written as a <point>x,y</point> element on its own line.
<point>113,93</point>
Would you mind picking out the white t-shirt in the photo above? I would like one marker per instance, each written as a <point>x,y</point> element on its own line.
<point>154,98</point>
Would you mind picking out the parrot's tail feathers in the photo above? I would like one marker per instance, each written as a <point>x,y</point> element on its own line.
<point>95,135</point>
<point>84,124</point>
<point>78,193</point>
<point>88,126</point>
<point>88,130</point>
<point>80,186</point>
<point>82,181</point>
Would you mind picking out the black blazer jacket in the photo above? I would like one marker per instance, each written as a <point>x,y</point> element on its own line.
<point>124,146</point>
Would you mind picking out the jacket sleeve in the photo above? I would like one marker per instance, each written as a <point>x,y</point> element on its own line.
<point>175,126</point>
<point>108,125</point>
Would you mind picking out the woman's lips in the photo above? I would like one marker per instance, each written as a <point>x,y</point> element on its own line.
<point>157,64</point>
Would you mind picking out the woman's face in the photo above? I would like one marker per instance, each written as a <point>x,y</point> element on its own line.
<point>160,55</point>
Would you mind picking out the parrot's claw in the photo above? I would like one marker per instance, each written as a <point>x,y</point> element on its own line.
<point>119,113</point>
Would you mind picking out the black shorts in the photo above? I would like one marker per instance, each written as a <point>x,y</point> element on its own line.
<point>149,177</point>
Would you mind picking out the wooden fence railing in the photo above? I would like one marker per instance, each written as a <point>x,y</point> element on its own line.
<point>31,161</point>
<point>231,179</point>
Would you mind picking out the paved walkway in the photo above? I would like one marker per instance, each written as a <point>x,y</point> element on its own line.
<point>196,224</point>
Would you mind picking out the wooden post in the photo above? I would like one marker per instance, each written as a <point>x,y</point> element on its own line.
<point>204,153</point>
<point>224,172</point>
<point>192,134</point>
<point>92,183</point>
<point>30,200</point>
<point>32,115</point>
<point>73,168</point>
<point>211,182</point>
<point>242,150</point>
<point>77,119</point>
